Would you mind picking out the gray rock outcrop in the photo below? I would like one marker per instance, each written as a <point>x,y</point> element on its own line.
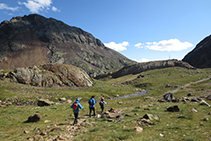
<point>141,67</point>
<point>49,75</point>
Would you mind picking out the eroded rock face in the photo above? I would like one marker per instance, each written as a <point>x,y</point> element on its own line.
<point>50,75</point>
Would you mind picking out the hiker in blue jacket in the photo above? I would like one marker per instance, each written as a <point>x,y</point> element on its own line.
<point>76,105</point>
<point>92,106</point>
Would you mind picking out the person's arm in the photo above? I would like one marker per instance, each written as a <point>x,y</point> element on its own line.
<point>80,106</point>
<point>72,105</point>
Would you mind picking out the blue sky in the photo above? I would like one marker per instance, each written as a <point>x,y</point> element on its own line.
<point>142,30</point>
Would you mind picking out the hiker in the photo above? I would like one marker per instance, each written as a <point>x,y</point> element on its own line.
<point>171,96</point>
<point>92,106</point>
<point>76,105</point>
<point>102,104</point>
<point>166,96</point>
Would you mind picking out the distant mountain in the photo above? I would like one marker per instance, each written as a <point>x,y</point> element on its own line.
<point>200,56</point>
<point>34,40</point>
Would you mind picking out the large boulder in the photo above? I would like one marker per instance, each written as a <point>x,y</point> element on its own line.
<point>173,109</point>
<point>34,118</point>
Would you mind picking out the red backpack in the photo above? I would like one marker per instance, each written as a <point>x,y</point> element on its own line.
<point>75,106</point>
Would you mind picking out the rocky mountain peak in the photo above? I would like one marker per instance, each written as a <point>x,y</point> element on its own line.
<point>200,56</point>
<point>35,40</point>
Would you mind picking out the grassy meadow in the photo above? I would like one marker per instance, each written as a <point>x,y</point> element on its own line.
<point>183,125</point>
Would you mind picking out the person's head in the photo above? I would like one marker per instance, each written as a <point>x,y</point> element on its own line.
<point>93,96</point>
<point>77,99</point>
<point>102,98</point>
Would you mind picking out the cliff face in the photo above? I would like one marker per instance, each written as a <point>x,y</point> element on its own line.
<point>36,40</point>
<point>200,56</point>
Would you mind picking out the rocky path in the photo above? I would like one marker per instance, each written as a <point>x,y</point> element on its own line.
<point>70,131</point>
<point>188,84</point>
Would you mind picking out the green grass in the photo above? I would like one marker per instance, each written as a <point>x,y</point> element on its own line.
<point>191,127</point>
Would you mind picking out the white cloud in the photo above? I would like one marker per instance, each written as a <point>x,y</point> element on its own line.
<point>139,45</point>
<point>55,9</point>
<point>167,45</point>
<point>142,60</point>
<point>118,47</point>
<point>35,6</point>
<point>4,6</point>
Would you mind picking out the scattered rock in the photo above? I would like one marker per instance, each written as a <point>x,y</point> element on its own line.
<point>46,121</point>
<point>175,100</point>
<point>151,116</point>
<point>194,99</point>
<point>69,101</point>
<point>63,99</point>
<point>139,129</point>
<point>44,102</point>
<point>173,109</point>
<point>161,135</point>
<point>205,119</point>
<point>141,76</point>
<point>144,122</point>
<point>194,110</point>
<point>203,102</point>
<point>34,118</point>
<point>114,114</point>
<point>168,85</point>
<point>161,100</point>
<point>208,97</point>
<point>181,116</point>
<point>189,94</point>
<point>26,131</point>
<point>120,102</point>
<point>56,129</point>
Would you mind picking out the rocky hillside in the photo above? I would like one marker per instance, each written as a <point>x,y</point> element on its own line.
<point>200,56</point>
<point>36,40</point>
<point>49,75</point>
<point>141,67</point>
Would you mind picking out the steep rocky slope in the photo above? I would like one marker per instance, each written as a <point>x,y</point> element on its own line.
<point>200,56</point>
<point>49,75</point>
<point>36,40</point>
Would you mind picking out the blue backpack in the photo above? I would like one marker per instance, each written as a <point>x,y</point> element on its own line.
<point>90,102</point>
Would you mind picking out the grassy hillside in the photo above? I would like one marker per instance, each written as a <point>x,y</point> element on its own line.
<point>182,125</point>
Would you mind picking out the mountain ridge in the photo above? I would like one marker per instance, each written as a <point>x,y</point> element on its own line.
<point>36,40</point>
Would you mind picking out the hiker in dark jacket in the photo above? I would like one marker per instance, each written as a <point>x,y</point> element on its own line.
<point>76,105</point>
<point>102,104</point>
<point>92,106</point>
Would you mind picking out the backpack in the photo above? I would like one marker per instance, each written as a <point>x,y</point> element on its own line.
<point>90,102</point>
<point>101,103</point>
<point>75,106</point>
